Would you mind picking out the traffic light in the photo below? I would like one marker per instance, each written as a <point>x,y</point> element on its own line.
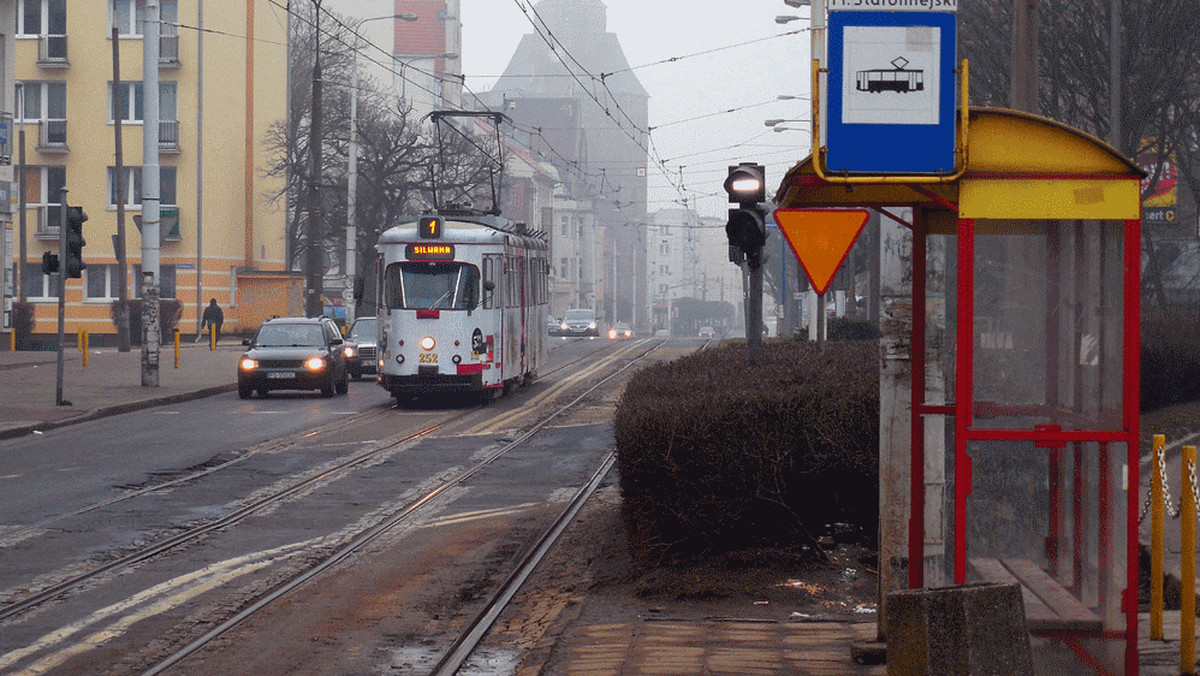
<point>747,188</point>
<point>49,263</point>
<point>73,265</point>
<point>430,227</point>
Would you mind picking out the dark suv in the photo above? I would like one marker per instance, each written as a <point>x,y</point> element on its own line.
<point>295,353</point>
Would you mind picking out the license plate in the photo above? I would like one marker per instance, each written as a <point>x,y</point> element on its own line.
<point>280,375</point>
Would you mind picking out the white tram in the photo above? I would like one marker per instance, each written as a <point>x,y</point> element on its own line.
<point>462,306</point>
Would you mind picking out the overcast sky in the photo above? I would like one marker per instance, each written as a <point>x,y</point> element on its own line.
<point>654,30</point>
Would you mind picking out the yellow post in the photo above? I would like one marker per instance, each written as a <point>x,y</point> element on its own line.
<point>12,340</point>
<point>1157,517</point>
<point>212,337</point>
<point>84,340</point>
<point>1187,572</point>
<point>79,339</point>
<point>176,348</point>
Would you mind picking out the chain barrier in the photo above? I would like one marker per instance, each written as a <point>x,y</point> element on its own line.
<point>1172,509</point>
<point>1192,480</point>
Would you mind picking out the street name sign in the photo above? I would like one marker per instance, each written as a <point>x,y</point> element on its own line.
<point>821,239</point>
<point>891,5</point>
<point>891,88</point>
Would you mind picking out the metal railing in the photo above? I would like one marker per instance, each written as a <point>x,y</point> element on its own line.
<point>52,134</point>
<point>168,50</point>
<point>52,50</point>
<point>168,134</point>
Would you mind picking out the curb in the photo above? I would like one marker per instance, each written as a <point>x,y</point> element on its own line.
<point>116,409</point>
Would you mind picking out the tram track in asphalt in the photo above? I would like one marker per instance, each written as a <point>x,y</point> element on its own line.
<point>476,630</point>
<point>18,533</point>
<point>19,606</point>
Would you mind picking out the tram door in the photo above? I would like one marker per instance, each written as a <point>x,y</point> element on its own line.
<point>493,304</point>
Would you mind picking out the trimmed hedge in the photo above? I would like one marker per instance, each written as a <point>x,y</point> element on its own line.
<point>1170,358</point>
<point>718,454</point>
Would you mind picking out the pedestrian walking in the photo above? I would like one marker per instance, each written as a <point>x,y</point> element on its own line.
<point>214,317</point>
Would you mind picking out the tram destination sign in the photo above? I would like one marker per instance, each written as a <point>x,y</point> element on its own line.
<point>429,252</point>
<point>891,5</point>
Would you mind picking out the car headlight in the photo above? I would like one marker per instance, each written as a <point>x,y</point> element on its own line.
<point>591,325</point>
<point>612,333</point>
<point>314,364</point>
<point>247,364</point>
<point>563,326</point>
<point>349,352</point>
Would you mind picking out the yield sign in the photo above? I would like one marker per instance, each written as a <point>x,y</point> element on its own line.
<point>821,239</point>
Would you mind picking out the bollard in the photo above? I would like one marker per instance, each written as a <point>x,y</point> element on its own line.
<point>1157,516</point>
<point>1187,572</point>
<point>176,348</point>
<point>84,344</point>
<point>12,341</point>
<point>212,337</point>
<point>79,339</point>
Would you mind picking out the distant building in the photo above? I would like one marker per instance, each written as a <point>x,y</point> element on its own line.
<point>601,159</point>
<point>8,250</point>
<point>222,237</point>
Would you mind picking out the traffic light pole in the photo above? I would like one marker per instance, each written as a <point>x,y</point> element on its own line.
<point>754,321</point>
<point>62,296</point>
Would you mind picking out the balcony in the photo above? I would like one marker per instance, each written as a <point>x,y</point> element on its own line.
<point>52,136</point>
<point>168,136</point>
<point>52,51</point>
<point>168,51</point>
<point>49,217</point>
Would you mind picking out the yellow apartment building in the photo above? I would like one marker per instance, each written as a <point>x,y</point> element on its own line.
<point>222,83</point>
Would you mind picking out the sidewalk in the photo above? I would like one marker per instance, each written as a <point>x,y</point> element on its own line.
<point>110,384</point>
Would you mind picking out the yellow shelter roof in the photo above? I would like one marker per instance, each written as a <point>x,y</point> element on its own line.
<point>1018,166</point>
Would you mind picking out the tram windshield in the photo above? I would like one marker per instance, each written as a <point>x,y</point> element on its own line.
<point>431,285</point>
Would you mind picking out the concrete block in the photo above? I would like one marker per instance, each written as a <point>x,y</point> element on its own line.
<point>951,631</point>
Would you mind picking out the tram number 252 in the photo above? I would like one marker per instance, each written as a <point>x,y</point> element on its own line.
<point>427,358</point>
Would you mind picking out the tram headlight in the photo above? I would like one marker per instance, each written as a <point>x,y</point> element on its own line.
<point>428,343</point>
<point>399,359</point>
<point>456,359</point>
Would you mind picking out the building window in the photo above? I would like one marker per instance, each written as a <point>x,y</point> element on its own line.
<point>166,281</point>
<point>128,16</point>
<point>39,287</point>
<point>42,17</point>
<point>128,102</point>
<point>100,282</point>
<point>43,192</point>
<point>43,101</point>
<point>133,187</point>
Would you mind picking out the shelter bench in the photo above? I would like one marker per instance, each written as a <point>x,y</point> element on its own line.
<point>1049,607</point>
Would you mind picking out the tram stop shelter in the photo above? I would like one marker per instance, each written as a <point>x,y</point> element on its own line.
<point>1009,387</point>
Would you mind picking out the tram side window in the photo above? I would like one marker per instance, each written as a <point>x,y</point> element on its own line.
<point>420,285</point>
<point>493,268</point>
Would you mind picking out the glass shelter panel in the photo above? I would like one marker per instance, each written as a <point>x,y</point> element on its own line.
<point>1048,324</point>
<point>1054,519</point>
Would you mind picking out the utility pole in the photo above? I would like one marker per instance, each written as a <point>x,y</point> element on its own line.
<point>150,196</point>
<point>314,305</point>
<point>348,301</point>
<point>62,295</point>
<point>1115,21</point>
<point>1025,51</point>
<point>21,251</point>
<point>119,239</point>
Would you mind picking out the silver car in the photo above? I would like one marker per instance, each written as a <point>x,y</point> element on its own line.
<point>362,333</point>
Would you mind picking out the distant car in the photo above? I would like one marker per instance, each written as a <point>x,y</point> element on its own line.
<point>579,322</point>
<point>707,332</point>
<point>295,353</point>
<point>620,331</point>
<point>552,326</point>
<point>362,334</point>
<point>662,333</point>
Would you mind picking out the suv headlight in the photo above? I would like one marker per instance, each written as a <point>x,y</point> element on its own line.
<point>314,364</point>
<point>247,364</point>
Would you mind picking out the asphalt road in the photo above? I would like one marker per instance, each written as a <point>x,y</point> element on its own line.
<point>81,495</point>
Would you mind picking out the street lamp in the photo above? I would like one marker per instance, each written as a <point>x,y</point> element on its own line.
<point>775,122</point>
<point>788,18</point>
<point>352,169</point>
